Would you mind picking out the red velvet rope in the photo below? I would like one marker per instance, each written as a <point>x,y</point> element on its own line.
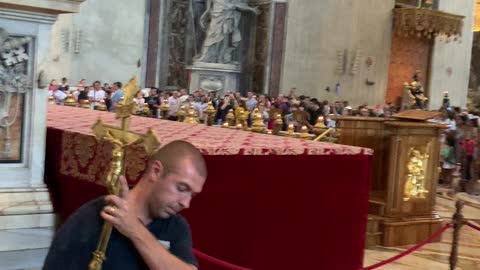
<point>410,250</point>
<point>230,266</point>
<point>473,226</point>
<point>217,262</point>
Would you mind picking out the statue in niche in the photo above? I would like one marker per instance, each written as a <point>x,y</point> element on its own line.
<point>415,94</point>
<point>13,85</point>
<point>223,34</point>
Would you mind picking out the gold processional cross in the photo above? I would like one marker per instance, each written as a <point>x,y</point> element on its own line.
<point>120,138</point>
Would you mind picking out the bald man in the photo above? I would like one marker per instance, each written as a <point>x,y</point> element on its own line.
<point>148,232</point>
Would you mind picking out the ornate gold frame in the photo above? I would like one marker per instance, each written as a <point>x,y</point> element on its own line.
<point>427,23</point>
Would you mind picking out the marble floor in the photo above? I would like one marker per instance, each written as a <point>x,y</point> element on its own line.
<point>24,249</point>
<point>436,255</point>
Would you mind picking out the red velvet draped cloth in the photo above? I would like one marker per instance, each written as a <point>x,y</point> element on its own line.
<point>269,202</point>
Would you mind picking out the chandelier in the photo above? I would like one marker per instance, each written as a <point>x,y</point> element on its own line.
<point>427,23</point>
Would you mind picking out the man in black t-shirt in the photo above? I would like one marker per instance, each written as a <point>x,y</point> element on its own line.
<point>153,101</point>
<point>148,232</point>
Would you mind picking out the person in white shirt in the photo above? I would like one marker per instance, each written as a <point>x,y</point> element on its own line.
<point>183,96</point>
<point>174,104</point>
<point>96,95</point>
<point>139,101</point>
<point>200,105</point>
<point>58,96</point>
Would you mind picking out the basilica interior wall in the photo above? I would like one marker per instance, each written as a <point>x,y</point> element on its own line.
<point>102,42</point>
<point>317,31</point>
<point>450,67</point>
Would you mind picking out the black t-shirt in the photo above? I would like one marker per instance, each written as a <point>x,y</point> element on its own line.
<point>314,116</point>
<point>77,239</point>
<point>152,102</point>
<point>83,95</point>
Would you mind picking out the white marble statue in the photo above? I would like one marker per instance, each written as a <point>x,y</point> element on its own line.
<point>223,34</point>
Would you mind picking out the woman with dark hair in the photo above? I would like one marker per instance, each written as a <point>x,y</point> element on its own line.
<point>223,107</point>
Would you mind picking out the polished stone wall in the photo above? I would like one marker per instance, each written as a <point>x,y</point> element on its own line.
<point>450,66</point>
<point>330,41</point>
<point>102,42</point>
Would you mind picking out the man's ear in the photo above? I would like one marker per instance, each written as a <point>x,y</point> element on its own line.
<point>156,170</point>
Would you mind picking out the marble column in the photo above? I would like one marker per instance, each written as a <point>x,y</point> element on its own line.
<point>153,42</point>
<point>277,47</point>
<point>269,46</point>
<point>25,34</point>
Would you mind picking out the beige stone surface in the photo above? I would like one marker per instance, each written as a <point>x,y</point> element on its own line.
<point>50,6</point>
<point>106,40</point>
<point>454,56</point>
<point>316,30</point>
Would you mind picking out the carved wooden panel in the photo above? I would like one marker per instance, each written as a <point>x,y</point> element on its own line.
<point>407,56</point>
<point>368,132</point>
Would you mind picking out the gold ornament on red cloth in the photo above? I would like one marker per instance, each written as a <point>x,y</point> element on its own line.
<point>164,109</point>
<point>257,122</point>
<point>101,106</point>
<point>181,114</point>
<point>86,104</point>
<point>70,101</point>
<point>210,111</point>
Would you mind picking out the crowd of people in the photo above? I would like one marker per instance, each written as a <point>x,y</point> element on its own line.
<point>298,110</point>
<point>459,147</point>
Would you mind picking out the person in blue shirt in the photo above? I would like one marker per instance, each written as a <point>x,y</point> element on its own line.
<point>117,94</point>
<point>148,233</point>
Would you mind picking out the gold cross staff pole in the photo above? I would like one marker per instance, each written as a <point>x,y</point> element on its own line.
<point>120,138</point>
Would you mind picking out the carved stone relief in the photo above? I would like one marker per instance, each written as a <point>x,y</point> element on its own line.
<point>212,83</point>
<point>14,83</point>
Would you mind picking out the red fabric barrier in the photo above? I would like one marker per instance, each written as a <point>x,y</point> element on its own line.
<point>260,211</point>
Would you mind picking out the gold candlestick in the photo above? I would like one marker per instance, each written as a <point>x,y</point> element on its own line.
<point>277,127</point>
<point>257,122</point>
<point>181,114</point>
<point>191,119</point>
<point>146,110</point>
<point>164,109</point>
<point>291,131</point>
<point>210,111</point>
<point>101,106</point>
<point>70,101</point>
<point>319,127</point>
<point>86,104</point>
<point>243,119</point>
<point>230,118</point>
<point>304,133</point>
